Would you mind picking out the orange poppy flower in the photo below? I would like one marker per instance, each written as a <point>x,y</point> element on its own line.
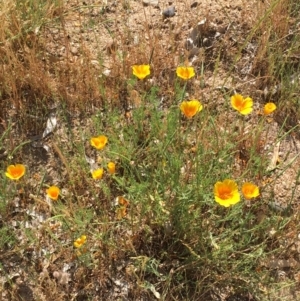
<point>226,193</point>
<point>250,191</point>
<point>185,72</point>
<point>111,166</point>
<point>269,108</point>
<point>191,108</point>
<point>53,192</point>
<point>99,142</point>
<point>15,172</point>
<point>97,174</point>
<point>80,241</point>
<point>241,104</point>
<point>141,71</point>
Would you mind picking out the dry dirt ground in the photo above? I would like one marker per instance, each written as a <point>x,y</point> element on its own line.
<point>102,29</point>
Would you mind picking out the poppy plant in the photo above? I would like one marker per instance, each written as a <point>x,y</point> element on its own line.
<point>53,192</point>
<point>80,241</point>
<point>185,72</point>
<point>250,191</point>
<point>141,71</point>
<point>99,142</point>
<point>191,108</point>
<point>111,166</point>
<point>15,172</point>
<point>97,174</point>
<point>269,108</point>
<point>241,104</point>
<point>226,193</point>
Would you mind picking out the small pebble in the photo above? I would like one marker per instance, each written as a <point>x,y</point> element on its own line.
<point>169,12</point>
<point>74,50</point>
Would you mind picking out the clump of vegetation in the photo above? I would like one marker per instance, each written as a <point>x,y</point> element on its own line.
<point>146,179</point>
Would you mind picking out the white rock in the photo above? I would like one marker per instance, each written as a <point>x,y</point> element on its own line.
<point>150,2</point>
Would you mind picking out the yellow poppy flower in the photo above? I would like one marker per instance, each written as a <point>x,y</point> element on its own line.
<point>250,191</point>
<point>97,174</point>
<point>80,241</point>
<point>226,193</point>
<point>53,192</point>
<point>241,104</point>
<point>141,71</point>
<point>99,142</point>
<point>185,72</point>
<point>269,108</point>
<point>15,172</point>
<point>191,108</point>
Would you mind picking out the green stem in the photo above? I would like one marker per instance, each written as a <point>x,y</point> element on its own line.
<point>183,91</point>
